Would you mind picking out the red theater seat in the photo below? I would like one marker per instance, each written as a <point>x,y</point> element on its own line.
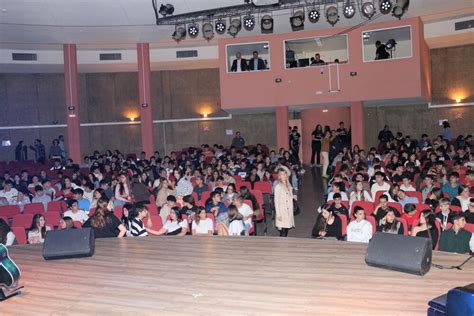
<point>20,234</point>
<point>33,208</point>
<point>52,218</point>
<point>9,211</point>
<point>22,220</point>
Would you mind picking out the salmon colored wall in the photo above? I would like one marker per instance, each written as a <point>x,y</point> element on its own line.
<point>393,79</point>
<point>311,117</point>
<point>425,66</point>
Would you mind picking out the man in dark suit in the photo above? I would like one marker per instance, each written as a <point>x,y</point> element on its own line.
<point>239,64</point>
<point>256,63</point>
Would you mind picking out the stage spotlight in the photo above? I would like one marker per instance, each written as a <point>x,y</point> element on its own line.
<point>249,22</point>
<point>193,31</point>
<point>220,26</point>
<point>385,6</point>
<point>207,31</point>
<point>391,43</point>
<point>349,10</point>
<point>332,15</point>
<point>266,24</point>
<point>368,9</point>
<point>313,15</point>
<point>166,9</point>
<point>234,27</point>
<point>297,21</point>
<point>179,34</point>
<point>400,7</point>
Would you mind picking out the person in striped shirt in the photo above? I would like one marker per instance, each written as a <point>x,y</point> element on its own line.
<point>137,227</point>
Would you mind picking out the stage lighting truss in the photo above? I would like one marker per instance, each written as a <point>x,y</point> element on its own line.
<point>193,30</point>
<point>313,15</point>
<point>266,24</point>
<point>208,31</point>
<point>349,10</point>
<point>332,15</point>
<point>220,26</point>
<point>368,9</point>
<point>297,20</point>
<point>179,33</point>
<point>235,26</point>
<point>249,22</point>
<point>385,6</point>
<point>400,8</point>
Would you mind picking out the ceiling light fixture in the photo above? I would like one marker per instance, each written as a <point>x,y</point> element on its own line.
<point>193,30</point>
<point>297,20</point>
<point>385,6</point>
<point>266,24</point>
<point>313,15</point>
<point>400,8</point>
<point>166,9</point>
<point>368,9</point>
<point>349,10</point>
<point>179,34</point>
<point>332,15</point>
<point>208,31</point>
<point>234,27</point>
<point>220,26</point>
<point>249,22</point>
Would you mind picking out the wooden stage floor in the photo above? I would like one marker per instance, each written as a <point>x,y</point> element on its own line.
<point>225,276</point>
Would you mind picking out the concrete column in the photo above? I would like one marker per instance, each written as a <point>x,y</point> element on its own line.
<point>72,105</point>
<point>281,120</point>
<point>146,117</point>
<point>358,124</point>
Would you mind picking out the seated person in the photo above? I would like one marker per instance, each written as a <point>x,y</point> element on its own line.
<point>359,193</point>
<point>428,186</point>
<point>446,215</point>
<point>21,199</point>
<point>82,203</point>
<point>457,239</point>
<point>452,186</point>
<point>359,230</point>
<point>406,184</point>
<point>8,192</point>
<point>410,214</point>
<point>7,237</point>
<point>166,208</point>
<point>404,199</point>
<point>427,227</point>
<point>381,209</point>
<point>219,210</point>
<point>244,210</point>
<point>239,64</point>
<point>434,197</point>
<point>337,206</point>
<point>338,187</point>
<point>137,227</point>
<point>200,187</point>
<point>389,223</point>
<point>328,224</point>
<point>48,189</point>
<point>380,184</point>
<point>256,63</point>
<point>202,225</point>
<point>236,223</point>
<point>41,197</point>
<point>37,230</point>
<point>470,212</point>
<point>75,213</point>
<point>175,226</point>
<point>104,223</point>
<point>66,223</point>
<point>462,200</point>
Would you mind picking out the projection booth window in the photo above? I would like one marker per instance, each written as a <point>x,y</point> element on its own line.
<point>248,57</point>
<point>386,44</point>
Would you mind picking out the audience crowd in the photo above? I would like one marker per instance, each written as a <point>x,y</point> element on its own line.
<point>422,188</point>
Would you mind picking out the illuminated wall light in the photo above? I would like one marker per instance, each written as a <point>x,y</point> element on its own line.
<point>325,110</point>
<point>132,119</point>
<point>458,100</point>
<point>204,115</point>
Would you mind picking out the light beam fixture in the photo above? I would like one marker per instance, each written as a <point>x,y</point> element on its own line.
<point>297,20</point>
<point>313,15</point>
<point>249,22</point>
<point>400,8</point>
<point>266,24</point>
<point>166,9</point>
<point>220,26</point>
<point>368,9</point>
<point>208,31</point>
<point>385,6</point>
<point>193,30</point>
<point>332,15</point>
<point>234,27</point>
<point>349,10</point>
<point>179,34</point>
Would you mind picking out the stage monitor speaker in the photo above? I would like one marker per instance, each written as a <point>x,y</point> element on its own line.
<point>400,253</point>
<point>69,243</point>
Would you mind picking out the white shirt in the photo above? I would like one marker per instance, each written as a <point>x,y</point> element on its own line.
<point>464,203</point>
<point>10,239</point>
<point>375,187</point>
<point>343,196</point>
<point>172,226</point>
<point>357,196</point>
<point>9,195</point>
<point>235,228</point>
<point>239,65</point>
<point>79,216</point>
<point>204,226</point>
<point>407,188</point>
<point>245,211</point>
<point>359,231</point>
